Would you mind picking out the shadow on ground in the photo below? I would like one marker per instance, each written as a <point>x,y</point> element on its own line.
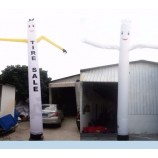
<point>51,126</point>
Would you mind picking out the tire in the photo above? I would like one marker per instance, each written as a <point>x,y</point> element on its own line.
<point>59,125</point>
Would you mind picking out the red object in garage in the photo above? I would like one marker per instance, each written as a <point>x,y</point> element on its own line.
<point>95,129</point>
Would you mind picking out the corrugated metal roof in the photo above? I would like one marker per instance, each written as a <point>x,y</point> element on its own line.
<point>101,74</point>
<point>107,73</point>
<point>65,82</point>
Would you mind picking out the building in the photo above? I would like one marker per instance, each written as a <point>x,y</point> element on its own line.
<point>64,91</point>
<point>7,100</point>
<point>98,96</point>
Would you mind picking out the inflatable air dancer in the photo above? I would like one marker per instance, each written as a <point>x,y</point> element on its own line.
<point>36,123</point>
<point>123,83</point>
<point>123,79</point>
<point>123,76</point>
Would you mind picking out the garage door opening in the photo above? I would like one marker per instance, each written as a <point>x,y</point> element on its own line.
<point>66,98</point>
<point>101,98</point>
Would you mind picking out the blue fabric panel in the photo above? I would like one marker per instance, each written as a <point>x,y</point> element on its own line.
<point>7,122</point>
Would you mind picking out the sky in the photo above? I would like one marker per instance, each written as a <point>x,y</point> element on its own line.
<point>67,23</point>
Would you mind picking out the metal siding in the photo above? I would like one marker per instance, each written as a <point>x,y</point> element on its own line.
<point>155,70</point>
<point>155,91</point>
<point>143,90</point>
<point>99,75</point>
<point>103,74</point>
<point>143,98</point>
<point>62,84</point>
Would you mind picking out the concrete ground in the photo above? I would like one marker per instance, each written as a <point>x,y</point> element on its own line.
<point>67,131</point>
<point>113,137</point>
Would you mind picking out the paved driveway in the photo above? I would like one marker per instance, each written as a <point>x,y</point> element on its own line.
<point>68,131</point>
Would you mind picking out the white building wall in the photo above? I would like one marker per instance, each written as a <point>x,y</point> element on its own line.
<point>7,100</point>
<point>143,92</point>
<point>143,98</point>
<point>84,116</point>
<point>77,94</point>
<point>143,124</point>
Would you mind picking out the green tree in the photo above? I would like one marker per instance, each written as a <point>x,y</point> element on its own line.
<point>18,76</point>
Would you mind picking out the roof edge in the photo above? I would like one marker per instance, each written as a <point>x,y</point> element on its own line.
<point>111,65</point>
<point>64,78</point>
